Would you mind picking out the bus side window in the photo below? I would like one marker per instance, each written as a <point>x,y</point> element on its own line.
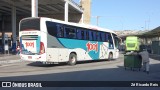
<point>87,35</point>
<point>60,31</point>
<point>79,34</point>
<point>94,36</point>
<point>82,35</point>
<point>91,35</point>
<point>98,36</point>
<point>66,32</point>
<point>106,37</point>
<point>102,36</point>
<point>70,32</point>
<point>51,28</point>
<point>116,41</point>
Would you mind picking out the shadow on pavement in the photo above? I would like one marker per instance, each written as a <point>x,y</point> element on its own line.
<point>40,64</point>
<point>108,74</point>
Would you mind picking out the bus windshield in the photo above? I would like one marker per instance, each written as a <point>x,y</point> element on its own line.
<point>132,43</point>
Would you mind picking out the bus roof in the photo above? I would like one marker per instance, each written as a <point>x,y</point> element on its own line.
<point>132,38</point>
<point>73,24</point>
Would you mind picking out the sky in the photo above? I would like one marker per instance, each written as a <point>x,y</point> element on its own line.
<point>125,14</point>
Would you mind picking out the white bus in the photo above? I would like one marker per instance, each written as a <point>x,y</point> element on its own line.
<point>49,40</point>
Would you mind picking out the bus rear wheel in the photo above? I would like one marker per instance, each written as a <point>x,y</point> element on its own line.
<point>72,59</point>
<point>110,57</point>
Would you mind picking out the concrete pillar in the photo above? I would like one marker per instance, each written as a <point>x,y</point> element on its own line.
<point>66,11</point>
<point>34,4</point>
<point>82,18</point>
<point>14,28</point>
<point>86,5</point>
<point>146,41</point>
<point>3,25</point>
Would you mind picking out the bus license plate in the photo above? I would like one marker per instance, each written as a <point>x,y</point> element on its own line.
<point>29,57</point>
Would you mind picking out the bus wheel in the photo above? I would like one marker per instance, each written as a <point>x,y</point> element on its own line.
<point>110,57</point>
<point>72,59</point>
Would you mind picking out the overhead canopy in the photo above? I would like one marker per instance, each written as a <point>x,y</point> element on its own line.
<point>153,33</point>
<point>23,7</point>
<point>149,34</point>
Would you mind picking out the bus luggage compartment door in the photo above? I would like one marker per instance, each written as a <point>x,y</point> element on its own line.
<point>52,55</point>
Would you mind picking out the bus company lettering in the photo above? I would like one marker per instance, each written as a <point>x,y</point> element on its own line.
<point>92,47</point>
<point>29,44</point>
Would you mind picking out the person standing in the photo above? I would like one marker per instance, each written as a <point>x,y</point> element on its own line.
<point>145,59</point>
<point>18,50</point>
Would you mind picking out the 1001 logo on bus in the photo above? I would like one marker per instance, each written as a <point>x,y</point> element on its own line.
<point>29,44</point>
<point>92,46</point>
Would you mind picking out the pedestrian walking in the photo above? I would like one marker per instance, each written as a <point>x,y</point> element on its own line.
<point>145,59</point>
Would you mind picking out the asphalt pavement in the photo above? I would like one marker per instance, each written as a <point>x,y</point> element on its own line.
<point>83,71</point>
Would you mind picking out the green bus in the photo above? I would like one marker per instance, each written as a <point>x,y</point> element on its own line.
<point>132,43</point>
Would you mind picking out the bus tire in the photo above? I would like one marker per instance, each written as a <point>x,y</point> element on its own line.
<point>72,59</point>
<point>110,57</point>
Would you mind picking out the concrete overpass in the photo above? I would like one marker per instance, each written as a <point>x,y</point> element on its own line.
<point>12,11</point>
<point>147,36</point>
<point>150,39</point>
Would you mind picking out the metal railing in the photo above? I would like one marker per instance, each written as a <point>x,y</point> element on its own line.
<point>75,4</point>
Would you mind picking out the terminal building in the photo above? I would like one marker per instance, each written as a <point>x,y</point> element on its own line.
<point>12,11</point>
<point>149,39</point>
